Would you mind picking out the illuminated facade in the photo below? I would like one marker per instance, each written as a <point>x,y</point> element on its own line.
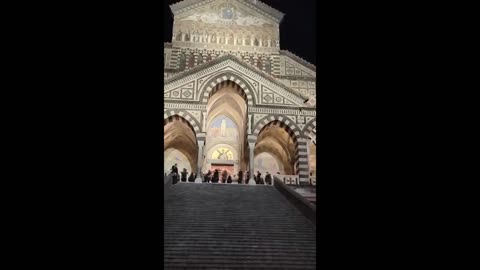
<point>233,98</point>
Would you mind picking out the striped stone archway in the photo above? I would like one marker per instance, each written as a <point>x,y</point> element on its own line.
<point>190,120</point>
<point>223,79</point>
<point>309,126</point>
<point>301,156</point>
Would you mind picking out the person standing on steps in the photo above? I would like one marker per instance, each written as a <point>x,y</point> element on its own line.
<point>258,178</point>
<point>240,177</point>
<point>208,176</point>
<point>174,173</point>
<point>224,176</point>
<point>268,179</point>
<point>215,176</point>
<point>191,178</point>
<point>184,175</point>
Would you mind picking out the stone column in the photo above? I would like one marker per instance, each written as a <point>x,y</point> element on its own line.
<point>251,147</point>
<point>249,124</point>
<point>204,126</point>
<point>308,158</point>
<point>199,162</point>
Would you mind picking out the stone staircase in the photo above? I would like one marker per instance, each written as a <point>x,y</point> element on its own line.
<point>225,226</point>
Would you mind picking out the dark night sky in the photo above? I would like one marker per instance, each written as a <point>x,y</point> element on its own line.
<point>297,30</point>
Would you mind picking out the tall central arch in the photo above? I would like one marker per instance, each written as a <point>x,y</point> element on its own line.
<point>226,127</point>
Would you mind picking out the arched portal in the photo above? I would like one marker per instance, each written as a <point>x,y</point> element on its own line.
<point>226,123</point>
<point>180,144</point>
<point>276,150</point>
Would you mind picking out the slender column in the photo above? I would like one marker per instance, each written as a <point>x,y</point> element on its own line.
<point>199,162</point>
<point>204,126</point>
<point>249,124</point>
<point>251,147</point>
<point>308,160</point>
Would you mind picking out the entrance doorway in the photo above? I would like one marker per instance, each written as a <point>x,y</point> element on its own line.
<point>222,167</point>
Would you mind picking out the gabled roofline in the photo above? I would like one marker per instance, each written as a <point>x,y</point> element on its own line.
<point>299,59</point>
<point>178,7</point>
<point>196,69</point>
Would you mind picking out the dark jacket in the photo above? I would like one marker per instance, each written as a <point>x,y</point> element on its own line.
<point>268,178</point>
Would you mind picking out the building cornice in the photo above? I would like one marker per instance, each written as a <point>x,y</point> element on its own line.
<point>299,59</point>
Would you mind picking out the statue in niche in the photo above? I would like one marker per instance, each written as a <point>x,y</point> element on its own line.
<point>214,38</point>
<point>205,37</point>
<point>187,37</point>
<point>179,36</point>
<point>255,42</point>
<point>239,41</point>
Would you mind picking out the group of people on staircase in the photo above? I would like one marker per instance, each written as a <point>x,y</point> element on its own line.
<point>224,177</point>
<point>221,177</point>
<point>183,175</point>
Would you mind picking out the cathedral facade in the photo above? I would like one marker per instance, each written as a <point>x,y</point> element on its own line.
<point>233,99</point>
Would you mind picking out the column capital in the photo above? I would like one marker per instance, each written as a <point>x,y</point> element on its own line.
<point>201,136</point>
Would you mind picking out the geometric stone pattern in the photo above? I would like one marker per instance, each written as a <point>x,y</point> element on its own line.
<point>224,68</point>
<point>225,226</point>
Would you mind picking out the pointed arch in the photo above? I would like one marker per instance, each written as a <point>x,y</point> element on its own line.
<point>227,78</point>
<point>192,122</point>
<point>290,127</point>
<point>271,118</point>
